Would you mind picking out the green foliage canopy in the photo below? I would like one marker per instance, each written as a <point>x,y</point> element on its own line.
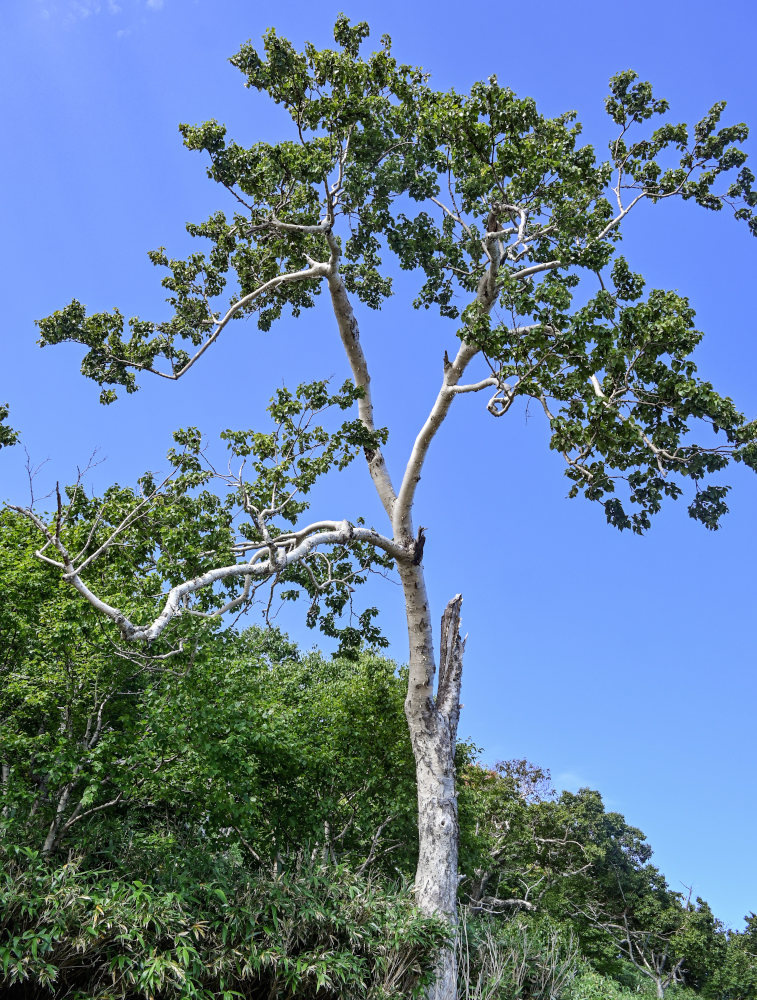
<point>384,171</point>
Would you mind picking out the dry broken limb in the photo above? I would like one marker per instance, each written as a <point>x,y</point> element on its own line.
<point>613,376</point>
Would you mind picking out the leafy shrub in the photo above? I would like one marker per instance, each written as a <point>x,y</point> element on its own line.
<point>592,985</point>
<point>315,931</point>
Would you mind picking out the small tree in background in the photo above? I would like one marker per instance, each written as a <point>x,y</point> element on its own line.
<point>490,204</point>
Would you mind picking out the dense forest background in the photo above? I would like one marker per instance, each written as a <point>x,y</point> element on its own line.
<point>238,820</point>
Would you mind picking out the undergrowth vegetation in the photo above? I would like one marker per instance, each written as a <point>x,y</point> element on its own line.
<point>238,821</point>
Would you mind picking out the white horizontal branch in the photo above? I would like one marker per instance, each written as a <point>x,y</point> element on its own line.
<point>288,537</point>
<point>268,561</point>
<point>485,383</point>
<point>525,272</point>
<point>320,229</point>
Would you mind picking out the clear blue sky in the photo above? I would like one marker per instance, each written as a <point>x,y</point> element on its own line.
<point>622,663</point>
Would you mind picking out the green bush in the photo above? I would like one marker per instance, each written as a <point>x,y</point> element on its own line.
<point>312,931</point>
<point>592,985</point>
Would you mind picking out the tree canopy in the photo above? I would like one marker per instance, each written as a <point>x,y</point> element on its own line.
<point>383,171</point>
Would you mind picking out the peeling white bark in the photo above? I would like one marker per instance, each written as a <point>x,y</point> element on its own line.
<point>433,731</point>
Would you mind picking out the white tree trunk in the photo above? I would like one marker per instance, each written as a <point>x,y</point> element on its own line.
<point>433,731</point>
<point>436,875</point>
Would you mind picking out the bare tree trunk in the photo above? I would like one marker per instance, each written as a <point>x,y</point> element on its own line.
<point>52,833</point>
<point>433,732</point>
<point>436,874</point>
<point>5,773</point>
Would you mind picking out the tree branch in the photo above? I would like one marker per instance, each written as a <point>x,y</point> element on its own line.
<point>268,561</point>
<point>315,270</point>
<point>350,335</point>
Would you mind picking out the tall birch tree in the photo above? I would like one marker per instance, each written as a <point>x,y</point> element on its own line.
<point>511,228</point>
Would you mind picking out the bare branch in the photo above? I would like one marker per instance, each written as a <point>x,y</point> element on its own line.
<point>402,514</point>
<point>486,383</point>
<point>268,561</point>
<point>371,857</point>
<point>550,265</point>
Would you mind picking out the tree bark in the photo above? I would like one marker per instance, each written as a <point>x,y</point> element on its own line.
<point>432,722</point>
<point>52,833</point>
